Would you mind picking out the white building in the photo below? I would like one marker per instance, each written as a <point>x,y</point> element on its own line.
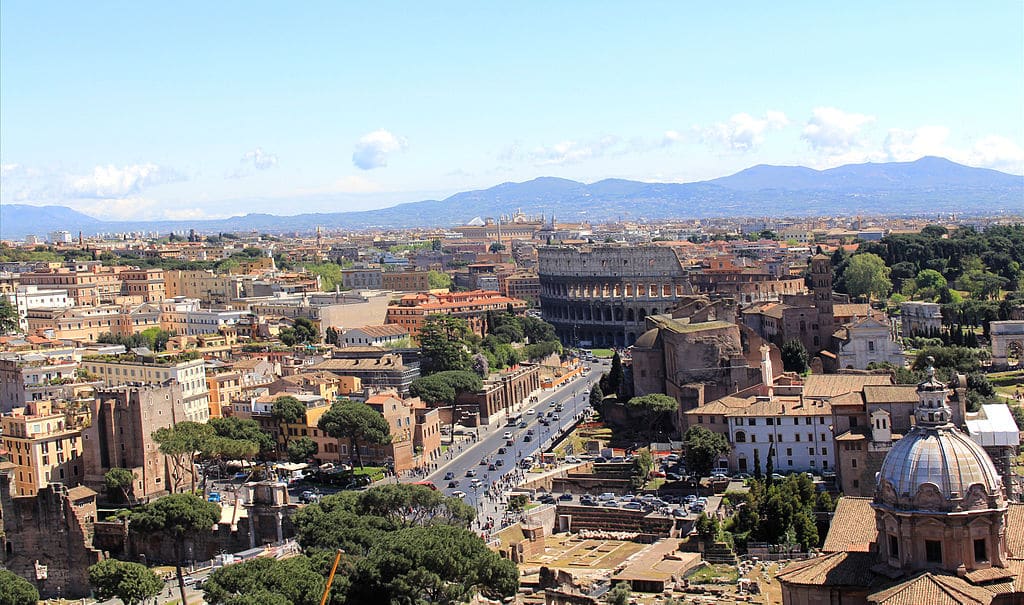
<point>130,368</point>
<point>798,430</point>
<point>185,317</point>
<point>375,336</point>
<point>34,297</point>
<point>61,237</point>
<point>866,340</point>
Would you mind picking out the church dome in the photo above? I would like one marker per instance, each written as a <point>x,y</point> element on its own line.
<point>936,468</point>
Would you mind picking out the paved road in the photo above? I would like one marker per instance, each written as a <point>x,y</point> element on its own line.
<point>574,397</point>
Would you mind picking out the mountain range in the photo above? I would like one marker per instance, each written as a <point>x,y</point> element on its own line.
<point>926,186</point>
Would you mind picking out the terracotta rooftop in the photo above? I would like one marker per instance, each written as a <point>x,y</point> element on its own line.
<point>80,493</point>
<point>1015,530</point>
<point>835,569</point>
<point>890,393</point>
<point>851,309</point>
<point>830,385</point>
<point>932,589</point>
<point>849,532</point>
<point>382,331</point>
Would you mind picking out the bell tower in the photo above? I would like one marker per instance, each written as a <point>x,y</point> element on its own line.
<point>821,287</point>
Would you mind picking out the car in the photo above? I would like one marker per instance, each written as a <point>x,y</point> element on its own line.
<point>545,422</point>
<point>453,483</point>
<point>600,459</point>
<point>691,499</point>
<point>777,477</point>
<point>510,442</point>
<point>471,472</point>
<point>492,467</point>
<point>555,417</point>
<point>499,462</point>
<point>546,499</point>
<point>507,435</point>
<point>484,461</point>
<point>550,413</point>
<point>449,475</point>
<point>611,504</point>
<point>213,497</point>
<point>566,497</point>
<point>741,476</point>
<point>606,496</point>
<point>559,407</point>
<point>572,460</point>
<point>531,411</point>
<point>530,432</point>
<point>672,477</point>
<point>189,580</point>
<point>679,512</point>
<point>696,508</point>
<point>309,496</point>
<point>588,501</point>
<point>719,475</point>
<point>522,424</point>
<point>459,494</point>
<point>241,476</point>
<point>632,506</point>
<point>527,439</point>
<point>657,474</point>
<point>672,457</point>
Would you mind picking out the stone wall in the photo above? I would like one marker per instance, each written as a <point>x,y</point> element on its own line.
<point>51,529</point>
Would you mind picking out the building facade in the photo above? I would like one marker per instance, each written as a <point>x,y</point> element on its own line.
<point>44,448</point>
<point>185,370</point>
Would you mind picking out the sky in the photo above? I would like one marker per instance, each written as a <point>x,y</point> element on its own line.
<point>177,110</point>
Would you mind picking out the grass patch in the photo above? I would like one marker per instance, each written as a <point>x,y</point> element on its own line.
<point>656,483</point>
<point>376,473</point>
<point>714,574</point>
<point>602,353</point>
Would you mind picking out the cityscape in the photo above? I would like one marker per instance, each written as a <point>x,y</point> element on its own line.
<point>469,322</point>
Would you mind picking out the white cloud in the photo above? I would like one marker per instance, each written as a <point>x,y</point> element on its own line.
<point>373,148</point>
<point>833,131</point>
<point>997,152</point>
<point>742,132</point>
<point>121,209</point>
<point>571,152</point>
<point>908,145</point>
<point>252,161</point>
<point>113,182</point>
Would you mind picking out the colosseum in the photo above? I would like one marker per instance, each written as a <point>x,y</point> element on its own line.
<point>599,295</point>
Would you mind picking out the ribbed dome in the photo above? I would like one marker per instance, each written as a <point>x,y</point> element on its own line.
<point>941,456</point>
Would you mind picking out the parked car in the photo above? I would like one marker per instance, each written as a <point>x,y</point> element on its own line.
<point>606,496</point>
<point>546,499</point>
<point>566,497</point>
<point>213,497</point>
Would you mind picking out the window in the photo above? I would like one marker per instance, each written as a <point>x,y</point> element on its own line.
<point>933,551</point>
<point>980,552</point>
<point>700,420</point>
<point>789,451</point>
<point>807,420</point>
<point>741,437</point>
<point>871,346</point>
<point>753,438</point>
<point>856,483</point>
<point>810,451</point>
<point>752,422</point>
<point>853,462</point>
<point>797,437</point>
<point>894,547</point>
<point>824,451</point>
<point>789,463</point>
<point>712,420</point>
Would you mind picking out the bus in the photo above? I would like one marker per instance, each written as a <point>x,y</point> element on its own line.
<point>515,419</point>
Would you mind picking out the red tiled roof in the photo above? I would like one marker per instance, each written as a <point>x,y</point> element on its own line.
<point>850,530</point>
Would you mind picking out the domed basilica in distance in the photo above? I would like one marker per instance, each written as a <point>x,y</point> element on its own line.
<point>943,529</point>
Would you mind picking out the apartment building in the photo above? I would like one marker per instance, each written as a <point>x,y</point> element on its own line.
<point>24,298</point>
<point>412,309</point>
<point>43,447</point>
<point>184,369</point>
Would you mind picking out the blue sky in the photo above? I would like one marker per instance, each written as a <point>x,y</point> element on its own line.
<point>176,110</point>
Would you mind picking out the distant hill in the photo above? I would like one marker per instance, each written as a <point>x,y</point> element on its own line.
<point>926,186</point>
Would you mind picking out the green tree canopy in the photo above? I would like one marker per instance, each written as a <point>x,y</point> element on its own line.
<point>8,317</point>
<point>120,479</point>
<point>293,581</point>
<point>794,357</point>
<point>15,590</point>
<point>442,344</point>
<point>302,449</point>
<point>133,583</point>
<point>356,422</point>
<point>867,276</point>
<point>287,410</point>
<point>444,387</point>
<point>182,443</point>
<point>438,280</point>
<point>654,411</point>
<point>703,448</point>
<point>177,518</point>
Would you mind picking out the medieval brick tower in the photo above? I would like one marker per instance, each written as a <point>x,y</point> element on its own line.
<point>821,286</point>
